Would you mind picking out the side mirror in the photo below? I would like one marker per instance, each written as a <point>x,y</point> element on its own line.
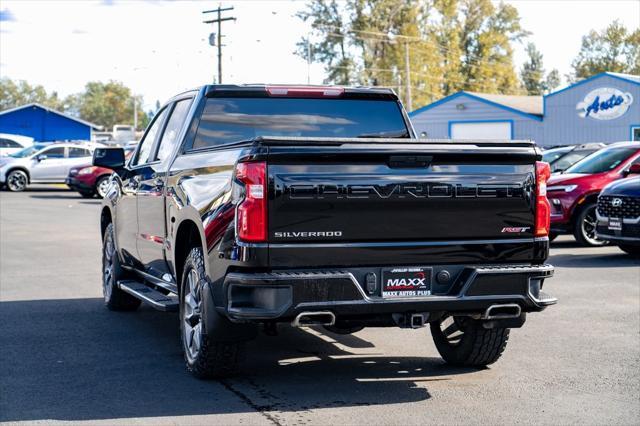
<point>634,169</point>
<point>41,157</point>
<point>110,158</point>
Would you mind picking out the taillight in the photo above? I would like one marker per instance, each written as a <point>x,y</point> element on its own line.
<point>252,211</point>
<point>543,208</point>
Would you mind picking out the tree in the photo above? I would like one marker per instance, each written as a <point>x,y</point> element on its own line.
<point>552,81</point>
<point>107,104</point>
<point>17,93</point>
<point>613,49</point>
<point>533,75</point>
<point>532,72</point>
<point>453,44</point>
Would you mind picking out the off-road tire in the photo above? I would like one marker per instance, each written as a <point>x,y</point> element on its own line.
<point>629,249</point>
<point>213,359</point>
<point>477,347</point>
<point>578,232</point>
<point>114,298</point>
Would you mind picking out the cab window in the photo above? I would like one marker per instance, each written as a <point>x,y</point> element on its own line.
<point>171,132</point>
<point>146,144</point>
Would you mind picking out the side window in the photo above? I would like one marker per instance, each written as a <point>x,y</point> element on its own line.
<point>8,143</point>
<point>57,152</point>
<point>149,138</point>
<point>174,125</point>
<point>79,152</point>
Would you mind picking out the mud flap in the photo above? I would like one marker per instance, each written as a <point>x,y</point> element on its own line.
<point>218,327</point>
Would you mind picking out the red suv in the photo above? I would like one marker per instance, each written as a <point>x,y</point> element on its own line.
<point>89,180</point>
<point>574,194</point>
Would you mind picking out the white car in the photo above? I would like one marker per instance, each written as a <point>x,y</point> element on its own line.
<point>10,144</point>
<point>49,164</point>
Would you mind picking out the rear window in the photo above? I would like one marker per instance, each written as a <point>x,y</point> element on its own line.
<point>602,161</point>
<point>229,120</point>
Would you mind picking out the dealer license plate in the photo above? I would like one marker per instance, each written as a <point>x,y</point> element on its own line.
<point>615,224</point>
<point>406,282</point>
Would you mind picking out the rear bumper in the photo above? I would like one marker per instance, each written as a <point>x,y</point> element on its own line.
<point>281,295</point>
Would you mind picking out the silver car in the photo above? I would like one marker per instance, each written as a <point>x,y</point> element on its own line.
<point>38,164</point>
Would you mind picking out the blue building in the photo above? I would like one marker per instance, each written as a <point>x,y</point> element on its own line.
<point>603,108</point>
<point>44,124</point>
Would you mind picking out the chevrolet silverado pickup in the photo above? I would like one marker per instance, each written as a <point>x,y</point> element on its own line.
<point>248,206</point>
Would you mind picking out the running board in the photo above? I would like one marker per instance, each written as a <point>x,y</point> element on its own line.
<point>149,295</point>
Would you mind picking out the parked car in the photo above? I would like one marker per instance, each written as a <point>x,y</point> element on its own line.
<point>10,144</point>
<point>561,158</point>
<point>50,164</point>
<point>618,212</point>
<point>90,180</point>
<point>574,194</point>
<point>248,206</point>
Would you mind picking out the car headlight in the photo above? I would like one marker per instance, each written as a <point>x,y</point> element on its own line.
<point>87,170</point>
<point>565,188</point>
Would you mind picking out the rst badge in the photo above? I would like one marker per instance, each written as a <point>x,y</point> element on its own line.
<point>406,282</point>
<point>515,229</point>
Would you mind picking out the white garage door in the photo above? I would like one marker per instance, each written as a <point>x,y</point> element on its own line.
<point>489,130</point>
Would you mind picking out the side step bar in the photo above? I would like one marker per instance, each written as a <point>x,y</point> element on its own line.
<point>149,295</point>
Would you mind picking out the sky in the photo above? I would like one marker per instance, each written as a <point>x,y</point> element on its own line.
<point>161,47</point>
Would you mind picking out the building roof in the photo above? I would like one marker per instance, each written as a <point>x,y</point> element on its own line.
<point>528,104</point>
<point>635,79</point>
<point>51,110</point>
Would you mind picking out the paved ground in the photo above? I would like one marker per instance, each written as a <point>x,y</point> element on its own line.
<point>63,357</point>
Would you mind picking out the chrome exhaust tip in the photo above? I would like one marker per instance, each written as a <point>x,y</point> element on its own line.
<point>506,311</point>
<point>306,319</point>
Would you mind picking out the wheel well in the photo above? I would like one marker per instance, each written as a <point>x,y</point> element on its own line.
<point>187,238</point>
<point>591,198</point>
<point>20,168</point>
<point>105,220</point>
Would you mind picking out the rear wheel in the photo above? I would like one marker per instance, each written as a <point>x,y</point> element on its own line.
<point>464,341</point>
<point>205,357</point>
<point>584,229</point>
<point>17,181</point>
<point>102,185</point>
<point>632,250</point>
<point>114,298</point>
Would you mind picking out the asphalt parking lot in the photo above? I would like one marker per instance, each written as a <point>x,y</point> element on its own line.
<point>64,357</point>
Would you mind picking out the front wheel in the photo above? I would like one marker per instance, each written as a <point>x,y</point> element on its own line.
<point>629,249</point>
<point>17,181</point>
<point>463,341</point>
<point>102,185</point>
<point>114,298</point>
<point>584,229</point>
<point>205,357</point>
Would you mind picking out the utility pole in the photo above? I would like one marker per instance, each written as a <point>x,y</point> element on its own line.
<point>407,70</point>
<point>308,60</point>
<point>135,114</point>
<point>219,21</point>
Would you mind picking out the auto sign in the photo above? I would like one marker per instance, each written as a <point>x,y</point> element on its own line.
<point>605,103</point>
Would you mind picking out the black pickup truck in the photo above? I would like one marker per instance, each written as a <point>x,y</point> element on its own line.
<point>246,206</point>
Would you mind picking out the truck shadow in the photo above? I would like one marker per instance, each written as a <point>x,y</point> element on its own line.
<point>74,360</point>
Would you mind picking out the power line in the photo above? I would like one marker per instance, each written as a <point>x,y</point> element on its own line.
<point>219,20</point>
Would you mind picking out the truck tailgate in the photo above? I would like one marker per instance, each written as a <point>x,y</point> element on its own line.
<point>393,192</point>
